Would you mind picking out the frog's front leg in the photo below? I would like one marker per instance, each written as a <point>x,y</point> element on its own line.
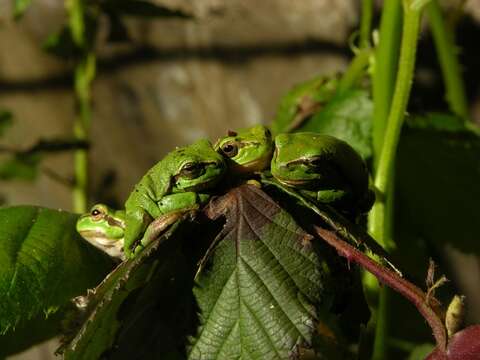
<point>137,220</point>
<point>172,207</point>
<point>157,227</point>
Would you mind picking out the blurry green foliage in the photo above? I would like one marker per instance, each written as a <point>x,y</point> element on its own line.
<point>19,7</point>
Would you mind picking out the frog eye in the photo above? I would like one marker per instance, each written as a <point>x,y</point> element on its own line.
<point>191,170</point>
<point>229,150</point>
<point>96,213</point>
<point>316,162</point>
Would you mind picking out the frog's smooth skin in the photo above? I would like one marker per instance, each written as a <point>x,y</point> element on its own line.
<point>178,183</point>
<point>104,228</point>
<point>247,150</point>
<point>324,168</point>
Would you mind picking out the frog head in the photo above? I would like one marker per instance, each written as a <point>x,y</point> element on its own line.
<point>311,159</point>
<point>247,150</point>
<point>195,168</point>
<point>104,228</point>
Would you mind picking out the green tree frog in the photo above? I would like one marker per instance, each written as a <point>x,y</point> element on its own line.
<point>104,228</point>
<point>178,183</point>
<point>247,150</point>
<point>324,169</point>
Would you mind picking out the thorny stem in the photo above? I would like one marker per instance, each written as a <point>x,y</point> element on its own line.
<point>408,290</point>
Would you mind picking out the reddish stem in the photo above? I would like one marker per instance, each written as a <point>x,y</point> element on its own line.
<point>411,292</point>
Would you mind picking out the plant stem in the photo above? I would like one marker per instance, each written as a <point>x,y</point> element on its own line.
<point>84,74</point>
<point>408,290</point>
<point>355,70</point>
<point>380,223</point>
<point>366,23</point>
<point>447,56</point>
<point>400,99</point>
<point>386,58</point>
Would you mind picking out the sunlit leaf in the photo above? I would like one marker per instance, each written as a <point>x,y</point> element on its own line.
<point>301,102</point>
<point>347,116</point>
<point>44,261</point>
<point>259,298</point>
<point>314,106</point>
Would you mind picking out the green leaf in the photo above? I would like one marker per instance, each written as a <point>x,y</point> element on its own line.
<point>142,9</point>
<point>259,297</point>
<point>30,332</point>
<point>44,261</point>
<point>20,167</point>
<point>6,120</point>
<point>61,44</point>
<point>19,8</point>
<point>143,309</point>
<point>420,352</point>
<point>300,103</point>
<point>438,173</point>
<point>314,106</point>
<point>348,117</point>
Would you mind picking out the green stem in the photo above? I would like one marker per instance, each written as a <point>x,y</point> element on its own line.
<point>386,59</point>
<point>447,56</point>
<point>380,222</point>
<point>400,99</point>
<point>366,23</point>
<point>355,70</point>
<point>84,75</point>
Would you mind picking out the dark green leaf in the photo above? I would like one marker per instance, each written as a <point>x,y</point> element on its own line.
<point>143,9</point>
<point>6,120</point>
<point>61,44</point>
<point>30,332</point>
<point>44,261</point>
<point>144,309</point>
<point>19,8</point>
<point>438,174</point>
<point>20,167</point>
<point>259,298</point>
